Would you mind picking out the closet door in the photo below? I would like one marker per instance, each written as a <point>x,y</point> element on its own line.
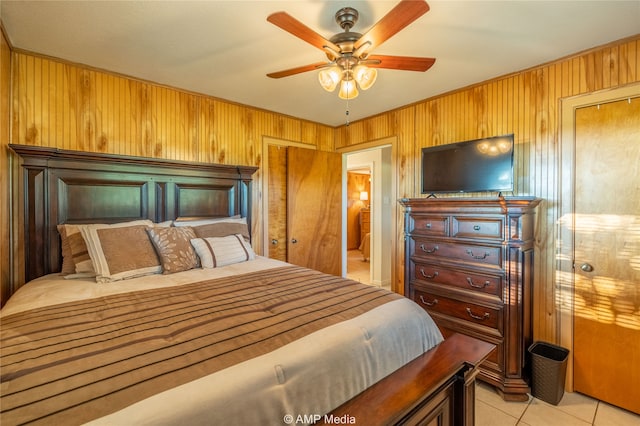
<point>304,202</point>
<point>606,347</point>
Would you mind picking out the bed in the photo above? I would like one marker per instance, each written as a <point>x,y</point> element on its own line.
<point>365,246</point>
<point>224,336</point>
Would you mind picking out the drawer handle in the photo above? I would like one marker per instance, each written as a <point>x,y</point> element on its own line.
<point>470,281</point>
<point>430,277</point>
<point>476,227</point>
<point>428,251</point>
<point>428,225</point>
<point>484,256</point>
<point>478,317</point>
<point>435,301</point>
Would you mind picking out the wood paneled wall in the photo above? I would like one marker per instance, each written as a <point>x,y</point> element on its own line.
<point>63,105</point>
<point>5,202</point>
<point>527,104</point>
<point>58,104</point>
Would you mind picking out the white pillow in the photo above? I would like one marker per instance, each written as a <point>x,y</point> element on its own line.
<point>220,251</point>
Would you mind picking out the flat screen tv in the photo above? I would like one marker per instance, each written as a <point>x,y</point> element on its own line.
<point>480,165</point>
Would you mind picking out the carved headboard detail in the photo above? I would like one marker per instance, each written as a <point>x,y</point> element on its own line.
<point>62,186</point>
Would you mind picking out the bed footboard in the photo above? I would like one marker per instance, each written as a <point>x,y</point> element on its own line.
<point>438,387</point>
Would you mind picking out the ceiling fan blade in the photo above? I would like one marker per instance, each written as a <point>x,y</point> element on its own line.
<point>399,17</point>
<point>297,70</point>
<point>300,30</point>
<point>407,63</point>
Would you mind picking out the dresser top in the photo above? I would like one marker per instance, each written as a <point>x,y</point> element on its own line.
<point>484,205</point>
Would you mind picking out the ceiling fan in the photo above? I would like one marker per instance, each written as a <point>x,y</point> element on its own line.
<point>350,61</point>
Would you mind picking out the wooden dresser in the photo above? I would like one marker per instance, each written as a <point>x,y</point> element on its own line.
<point>469,263</point>
<point>365,223</point>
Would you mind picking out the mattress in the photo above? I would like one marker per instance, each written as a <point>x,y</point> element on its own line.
<point>249,343</point>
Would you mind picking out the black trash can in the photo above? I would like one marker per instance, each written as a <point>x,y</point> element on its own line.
<point>548,371</point>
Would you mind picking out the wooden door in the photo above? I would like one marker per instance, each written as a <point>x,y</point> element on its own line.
<point>277,202</point>
<point>314,214</point>
<point>304,202</point>
<point>606,351</point>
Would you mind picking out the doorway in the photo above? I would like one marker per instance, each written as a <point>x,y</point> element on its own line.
<point>359,224</point>
<point>379,214</point>
<point>600,274</point>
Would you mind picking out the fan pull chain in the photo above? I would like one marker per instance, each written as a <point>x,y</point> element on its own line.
<point>348,94</point>
<point>347,112</point>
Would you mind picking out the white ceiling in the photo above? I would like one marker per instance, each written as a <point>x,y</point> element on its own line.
<point>226,48</point>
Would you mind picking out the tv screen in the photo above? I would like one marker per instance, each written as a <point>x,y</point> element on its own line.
<point>480,165</point>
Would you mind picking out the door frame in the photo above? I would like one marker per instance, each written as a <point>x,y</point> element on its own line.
<point>264,198</point>
<point>378,250</point>
<point>564,284</point>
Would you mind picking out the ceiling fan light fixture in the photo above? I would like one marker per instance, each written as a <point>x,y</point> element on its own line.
<point>329,78</point>
<point>365,76</point>
<point>350,63</point>
<point>348,90</point>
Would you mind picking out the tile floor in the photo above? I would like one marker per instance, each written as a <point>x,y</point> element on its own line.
<point>357,268</point>
<point>574,409</point>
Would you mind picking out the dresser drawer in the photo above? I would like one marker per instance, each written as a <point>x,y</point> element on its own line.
<point>475,313</point>
<point>478,227</point>
<point>430,225</point>
<point>458,252</point>
<point>488,284</point>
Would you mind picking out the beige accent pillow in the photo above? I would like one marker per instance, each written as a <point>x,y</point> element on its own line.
<point>68,265</point>
<point>75,255</point>
<point>222,229</point>
<point>220,251</point>
<point>121,251</point>
<point>74,251</point>
<point>173,246</point>
<point>218,227</point>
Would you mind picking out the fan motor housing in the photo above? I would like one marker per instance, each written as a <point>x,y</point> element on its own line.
<point>345,40</point>
<point>347,18</point>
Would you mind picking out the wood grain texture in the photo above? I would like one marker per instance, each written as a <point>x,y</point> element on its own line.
<point>607,299</point>
<point>5,201</point>
<point>63,105</point>
<point>314,216</point>
<point>277,204</point>
<point>525,103</point>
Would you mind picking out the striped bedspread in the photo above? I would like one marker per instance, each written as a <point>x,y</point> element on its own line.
<point>74,362</point>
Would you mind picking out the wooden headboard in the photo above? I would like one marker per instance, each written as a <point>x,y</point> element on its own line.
<point>62,186</point>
